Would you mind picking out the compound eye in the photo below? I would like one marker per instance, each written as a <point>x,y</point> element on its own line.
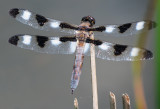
<point>86,19</point>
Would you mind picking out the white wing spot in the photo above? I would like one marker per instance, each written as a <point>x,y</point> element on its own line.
<point>26,15</point>
<point>54,24</point>
<point>27,39</point>
<point>140,25</point>
<point>73,46</point>
<point>86,47</point>
<point>109,29</point>
<point>135,51</point>
<point>104,46</point>
<point>56,42</point>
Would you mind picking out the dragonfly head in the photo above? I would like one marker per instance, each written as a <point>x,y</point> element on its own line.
<point>89,19</point>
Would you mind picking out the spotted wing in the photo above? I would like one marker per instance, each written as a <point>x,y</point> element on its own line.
<point>40,22</point>
<point>43,44</point>
<point>117,52</point>
<point>126,29</point>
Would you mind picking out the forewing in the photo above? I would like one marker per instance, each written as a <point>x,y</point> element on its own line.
<point>44,44</point>
<point>126,29</point>
<point>40,22</point>
<point>117,52</point>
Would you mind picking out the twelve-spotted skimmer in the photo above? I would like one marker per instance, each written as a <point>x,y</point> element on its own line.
<point>79,43</point>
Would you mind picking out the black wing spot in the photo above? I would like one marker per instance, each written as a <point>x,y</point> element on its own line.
<point>41,20</point>
<point>88,40</point>
<point>68,26</point>
<point>14,12</point>
<point>100,29</point>
<point>152,25</point>
<point>41,40</point>
<point>65,39</point>
<point>118,49</point>
<point>14,40</point>
<point>147,54</point>
<point>95,42</point>
<point>124,27</point>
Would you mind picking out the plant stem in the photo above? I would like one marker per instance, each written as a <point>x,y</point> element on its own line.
<point>76,104</point>
<point>112,101</point>
<point>94,77</point>
<point>126,101</point>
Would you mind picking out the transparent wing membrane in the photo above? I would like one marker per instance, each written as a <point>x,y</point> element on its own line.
<point>40,22</point>
<point>127,29</point>
<point>117,52</point>
<point>44,44</point>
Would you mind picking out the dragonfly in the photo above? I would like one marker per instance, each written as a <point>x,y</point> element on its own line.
<point>79,41</point>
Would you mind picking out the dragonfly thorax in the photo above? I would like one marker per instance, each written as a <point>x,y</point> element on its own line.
<point>82,34</point>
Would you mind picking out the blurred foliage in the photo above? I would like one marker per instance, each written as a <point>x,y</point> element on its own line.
<point>157,56</point>
<point>137,65</point>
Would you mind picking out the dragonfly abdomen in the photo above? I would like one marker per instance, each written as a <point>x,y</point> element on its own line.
<point>77,68</point>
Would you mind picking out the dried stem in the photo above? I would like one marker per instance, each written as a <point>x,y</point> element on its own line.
<point>76,104</point>
<point>126,101</point>
<point>112,101</point>
<point>94,77</point>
